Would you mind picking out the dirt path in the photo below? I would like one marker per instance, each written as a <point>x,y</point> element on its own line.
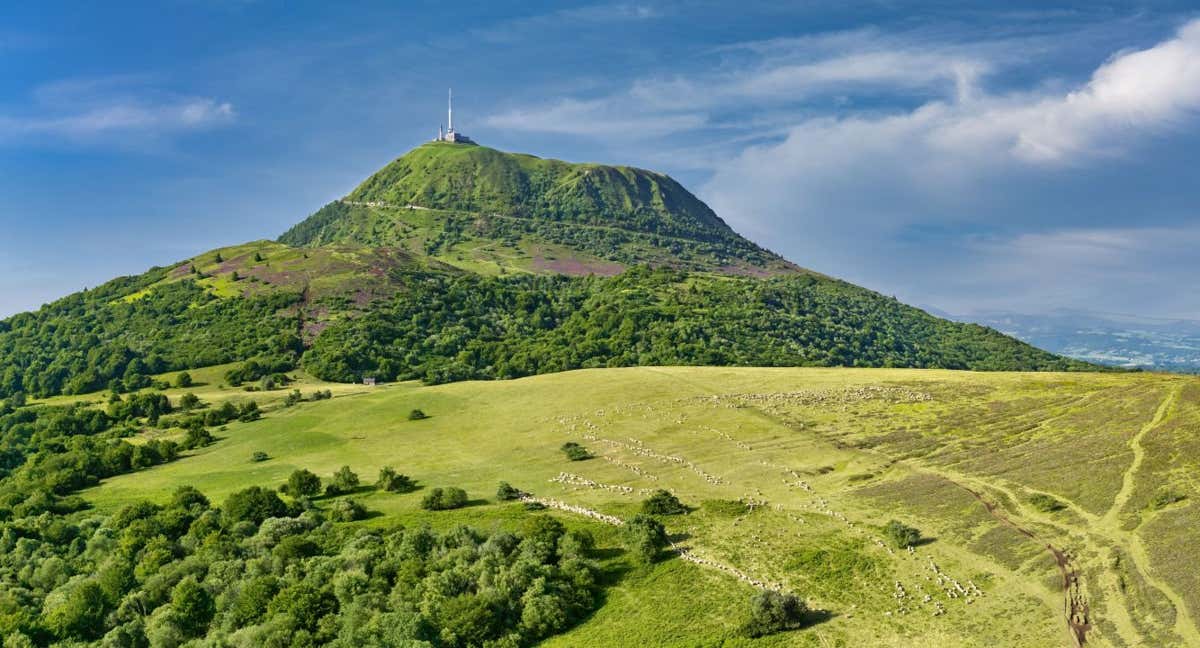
<point>1075,605</point>
<point>1139,455</point>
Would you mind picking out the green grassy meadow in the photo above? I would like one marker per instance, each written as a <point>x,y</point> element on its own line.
<point>826,457</point>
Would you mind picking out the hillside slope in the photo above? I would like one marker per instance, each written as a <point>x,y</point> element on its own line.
<point>830,456</point>
<point>375,286</point>
<point>536,214</point>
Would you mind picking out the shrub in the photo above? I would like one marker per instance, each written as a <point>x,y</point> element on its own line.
<point>575,452</point>
<point>183,379</point>
<point>441,499</point>
<point>663,502</point>
<point>189,401</point>
<point>394,482</point>
<point>193,606</point>
<point>1165,497</point>
<point>1046,503</point>
<point>772,612</point>
<point>506,492</point>
<point>534,506</point>
<point>303,483</point>
<point>347,510</point>
<point>645,537</point>
<point>344,481</point>
<point>249,412</point>
<point>259,455</point>
<point>254,504</point>
<point>417,415</point>
<point>321,395</point>
<point>901,535</point>
<point>293,398</point>
<point>197,436</point>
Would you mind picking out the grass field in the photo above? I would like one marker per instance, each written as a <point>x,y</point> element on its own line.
<point>1054,508</point>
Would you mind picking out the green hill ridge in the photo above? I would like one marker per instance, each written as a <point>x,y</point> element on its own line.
<point>458,261</point>
<point>536,214</point>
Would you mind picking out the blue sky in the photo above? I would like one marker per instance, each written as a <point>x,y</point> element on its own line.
<point>959,156</point>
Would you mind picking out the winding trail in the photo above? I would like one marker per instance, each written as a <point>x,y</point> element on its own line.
<point>1139,455</point>
<point>1185,626</point>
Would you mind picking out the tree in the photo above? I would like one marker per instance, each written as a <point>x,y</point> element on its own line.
<point>901,535</point>
<point>440,499</point>
<point>772,612</point>
<point>394,482</point>
<point>663,502</point>
<point>646,537</point>
<point>80,614</point>
<point>575,452</point>
<point>197,435</point>
<point>254,504</point>
<point>249,412</point>
<point>347,510</point>
<point>189,401</point>
<point>183,379</point>
<point>506,492</point>
<point>303,483</point>
<point>193,605</point>
<point>344,481</point>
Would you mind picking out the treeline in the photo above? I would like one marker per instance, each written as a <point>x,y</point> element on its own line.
<point>96,339</point>
<point>447,328</point>
<point>257,570</point>
<point>443,327</point>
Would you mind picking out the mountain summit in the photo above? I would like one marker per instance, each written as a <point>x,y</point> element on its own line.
<point>489,209</point>
<point>459,261</point>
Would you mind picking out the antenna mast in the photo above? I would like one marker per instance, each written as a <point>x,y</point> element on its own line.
<point>450,110</point>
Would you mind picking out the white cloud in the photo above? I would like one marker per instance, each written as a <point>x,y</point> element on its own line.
<point>91,110</point>
<point>907,167</point>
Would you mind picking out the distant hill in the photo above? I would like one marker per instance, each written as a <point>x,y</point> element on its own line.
<point>1105,338</point>
<point>459,261</point>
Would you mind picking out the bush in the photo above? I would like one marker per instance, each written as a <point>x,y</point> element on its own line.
<point>347,510</point>
<point>901,535</point>
<point>344,481</point>
<point>645,537</point>
<point>249,412</point>
<point>259,455</point>
<point>394,482</point>
<point>293,398</point>
<point>772,612</point>
<point>197,436</point>
<point>303,483</point>
<point>254,504</point>
<point>1046,503</point>
<point>575,452</point>
<point>321,395</point>
<point>183,379</point>
<point>417,415</point>
<point>441,499</point>
<point>189,401</point>
<point>663,502</point>
<point>1165,497</point>
<point>506,492</point>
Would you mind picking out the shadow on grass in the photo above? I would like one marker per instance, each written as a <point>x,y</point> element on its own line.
<point>921,542</point>
<point>679,537</point>
<point>817,617</point>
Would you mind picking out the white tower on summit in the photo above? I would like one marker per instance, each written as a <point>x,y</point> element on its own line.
<point>449,135</point>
